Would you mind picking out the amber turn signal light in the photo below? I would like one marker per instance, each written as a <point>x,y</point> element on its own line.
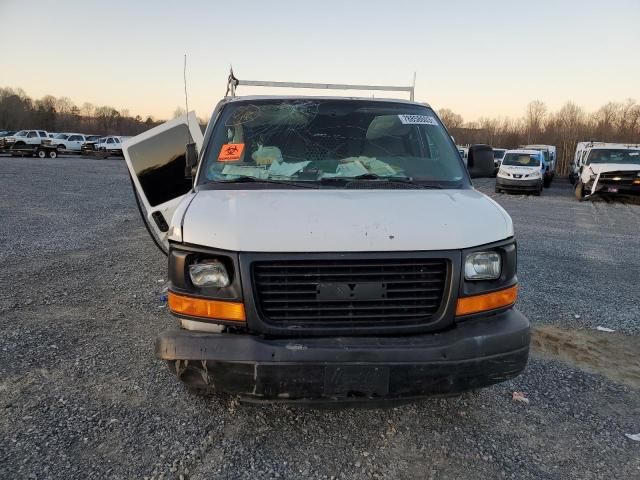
<point>487,301</point>
<point>200,307</point>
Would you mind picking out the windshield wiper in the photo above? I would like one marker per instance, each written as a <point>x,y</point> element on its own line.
<point>378,178</point>
<point>249,179</point>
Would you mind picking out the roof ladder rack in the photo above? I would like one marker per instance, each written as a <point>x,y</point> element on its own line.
<point>233,82</point>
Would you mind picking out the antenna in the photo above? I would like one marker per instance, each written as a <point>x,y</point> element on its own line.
<point>186,97</point>
<point>413,87</point>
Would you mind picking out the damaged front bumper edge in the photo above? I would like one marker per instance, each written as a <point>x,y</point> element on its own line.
<point>473,354</point>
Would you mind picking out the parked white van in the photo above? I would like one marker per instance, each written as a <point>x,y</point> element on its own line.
<point>550,158</point>
<point>327,249</point>
<point>521,170</point>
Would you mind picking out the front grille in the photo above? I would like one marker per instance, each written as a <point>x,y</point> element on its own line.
<point>376,292</point>
<point>624,178</point>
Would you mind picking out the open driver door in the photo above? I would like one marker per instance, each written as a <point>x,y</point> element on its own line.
<point>157,162</point>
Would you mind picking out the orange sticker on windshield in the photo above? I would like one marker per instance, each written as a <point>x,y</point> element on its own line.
<point>231,152</point>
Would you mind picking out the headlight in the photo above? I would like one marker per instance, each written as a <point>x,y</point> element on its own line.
<point>502,173</point>
<point>209,273</point>
<point>482,266</point>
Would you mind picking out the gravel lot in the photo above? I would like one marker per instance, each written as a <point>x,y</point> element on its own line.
<point>81,395</point>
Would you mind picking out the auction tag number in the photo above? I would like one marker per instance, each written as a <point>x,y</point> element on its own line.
<point>417,119</point>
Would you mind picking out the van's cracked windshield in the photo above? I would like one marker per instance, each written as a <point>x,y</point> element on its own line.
<point>316,141</point>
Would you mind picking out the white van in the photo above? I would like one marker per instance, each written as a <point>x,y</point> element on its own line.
<point>550,159</point>
<point>327,249</point>
<point>521,170</point>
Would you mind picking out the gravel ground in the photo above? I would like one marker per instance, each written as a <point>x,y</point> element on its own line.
<point>576,258</point>
<point>81,395</point>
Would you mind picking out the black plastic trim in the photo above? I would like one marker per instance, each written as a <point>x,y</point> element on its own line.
<point>440,320</point>
<point>144,218</point>
<point>180,282</point>
<point>508,253</point>
<point>468,356</point>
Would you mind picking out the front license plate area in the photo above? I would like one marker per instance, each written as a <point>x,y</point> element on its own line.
<point>612,190</point>
<point>356,381</point>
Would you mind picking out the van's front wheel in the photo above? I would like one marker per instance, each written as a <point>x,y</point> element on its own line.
<point>579,191</point>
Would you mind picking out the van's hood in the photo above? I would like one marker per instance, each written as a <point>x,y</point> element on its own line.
<point>613,167</point>
<point>343,220</point>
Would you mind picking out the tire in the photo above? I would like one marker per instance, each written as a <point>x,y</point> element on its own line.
<point>60,148</point>
<point>579,191</point>
<point>53,154</point>
<point>498,190</point>
<point>42,154</point>
<point>547,182</point>
<point>19,145</point>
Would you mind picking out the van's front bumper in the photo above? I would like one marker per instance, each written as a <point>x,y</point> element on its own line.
<point>475,353</point>
<point>528,185</point>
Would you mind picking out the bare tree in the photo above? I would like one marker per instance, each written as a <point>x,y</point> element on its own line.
<point>570,121</point>
<point>534,119</point>
<point>87,109</point>
<point>178,112</point>
<point>450,119</point>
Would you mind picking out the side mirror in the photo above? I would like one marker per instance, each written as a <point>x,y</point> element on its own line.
<point>191,157</point>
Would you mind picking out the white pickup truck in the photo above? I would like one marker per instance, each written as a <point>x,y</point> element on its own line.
<point>328,249</point>
<point>25,139</point>
<point>111,145</point>
<point>606,168</point>
<point>69,142</point>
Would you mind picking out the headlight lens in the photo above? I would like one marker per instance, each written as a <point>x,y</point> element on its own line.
<point>482,266</point>
<point>209,273</point>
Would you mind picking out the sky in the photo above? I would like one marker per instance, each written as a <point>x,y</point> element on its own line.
<point>479,59</point>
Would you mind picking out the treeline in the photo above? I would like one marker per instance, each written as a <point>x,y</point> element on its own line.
<point>613,122</point>
<point>18,111</point>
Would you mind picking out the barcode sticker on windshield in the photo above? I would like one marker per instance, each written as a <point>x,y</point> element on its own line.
<point>417,120</point>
